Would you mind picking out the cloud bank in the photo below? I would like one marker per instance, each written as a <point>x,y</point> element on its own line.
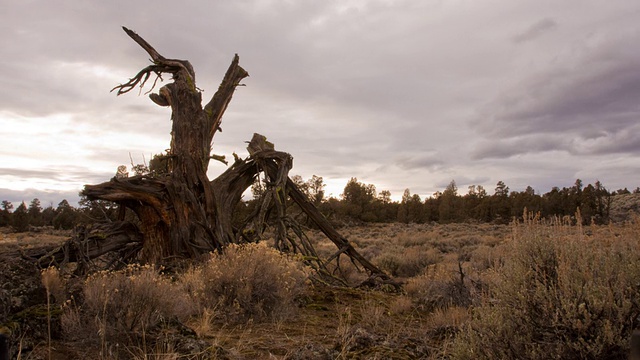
<point>400,94</point>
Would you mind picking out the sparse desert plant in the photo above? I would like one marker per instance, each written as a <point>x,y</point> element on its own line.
<point>53,284</point>
<point>561,294</point>
<point>251,281</point>
<point>443,322</point>
<point>485,257</point>
<point>413,238</point>
<point>162,350</point>
<point>202,322</point>
<point>441,286</point>
<point>344,330</point>
<point>401,305</point>
<point>410,262</point>
<point>122,305</point>
<point>417,258</point>
<point>389,262</point>
<point>452,316</point>
<point>374,313</point>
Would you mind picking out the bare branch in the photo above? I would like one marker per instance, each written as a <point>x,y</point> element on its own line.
<point>155,56</point>
<point>141,78</point>
<point>218,103</point>
<point>160,65</point>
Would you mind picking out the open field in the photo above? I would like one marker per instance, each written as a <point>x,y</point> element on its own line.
<point>532,290</point>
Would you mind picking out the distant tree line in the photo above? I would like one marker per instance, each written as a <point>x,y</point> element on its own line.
<point>63,217</point>
<point>361,202</point>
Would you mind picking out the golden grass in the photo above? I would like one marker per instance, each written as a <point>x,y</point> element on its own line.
<point>559,294</point>
<point>531,290</point>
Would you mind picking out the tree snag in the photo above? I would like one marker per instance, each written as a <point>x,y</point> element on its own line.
<point>181,213</point>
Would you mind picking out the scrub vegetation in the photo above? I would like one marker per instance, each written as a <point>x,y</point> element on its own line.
<point>534,289</point>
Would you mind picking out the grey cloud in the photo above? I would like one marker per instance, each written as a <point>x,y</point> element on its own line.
<point>66,174</point>
<point>571,101</point>
<point>46,197</point>
<point>362,89</point>
<point>505,148</point>
<point>536,30</point>
<point>591,102</point>
<point>431,161</point>
<point>626,141</point>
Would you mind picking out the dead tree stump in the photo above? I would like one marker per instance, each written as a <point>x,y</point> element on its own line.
<point>180,212</point>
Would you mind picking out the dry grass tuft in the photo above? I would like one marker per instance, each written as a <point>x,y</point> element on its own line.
<point>408,262</point>
<point>54,284</point>
<point>401,305</point>
<point>251,281</point>
<point>121,306</point>
<point>440,287</point>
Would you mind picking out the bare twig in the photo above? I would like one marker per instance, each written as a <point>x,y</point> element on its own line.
<point>160,65</point>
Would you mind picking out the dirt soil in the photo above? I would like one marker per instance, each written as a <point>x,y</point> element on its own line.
<point>331,322</point>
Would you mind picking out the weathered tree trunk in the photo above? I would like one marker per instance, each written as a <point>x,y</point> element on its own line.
<point>181,212</point>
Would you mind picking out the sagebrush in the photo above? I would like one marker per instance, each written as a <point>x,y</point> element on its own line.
<point>560,294</point>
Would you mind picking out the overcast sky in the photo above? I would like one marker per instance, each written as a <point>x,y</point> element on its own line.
<point>400,94</point>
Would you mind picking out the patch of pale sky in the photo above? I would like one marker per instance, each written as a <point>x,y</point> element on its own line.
<point>348,88</point>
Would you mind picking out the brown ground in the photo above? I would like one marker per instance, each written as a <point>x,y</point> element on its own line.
<point>330,322</point>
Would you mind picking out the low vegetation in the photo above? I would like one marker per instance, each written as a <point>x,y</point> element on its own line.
<point>563,292</point>
<point>534,289</point>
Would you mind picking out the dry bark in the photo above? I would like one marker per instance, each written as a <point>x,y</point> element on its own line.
<point>181,213</point>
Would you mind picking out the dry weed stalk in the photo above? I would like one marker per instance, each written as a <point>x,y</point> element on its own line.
<point>344,331</point>
<point>53,284</point>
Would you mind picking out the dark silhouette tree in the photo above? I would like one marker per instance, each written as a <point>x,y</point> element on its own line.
<point>475,204</point>
<point>603,203</point>
<point>21,218</point>
<point>501,209</point>
<point>386,209</point>
<point>48,214</point>
<point>403,209</point>
<point>527,199</point>
<point>624,191</point>
<point>5,213</point>
<point>588,204</point>
<point>415,209</point>
<point>35,213</point>
<point>316,189</point>
<point>553,202</point>
<point>450,209</point>
<point>358,198</point>
<point>65,217</point>
<point>432,207</point>
<point>411,209</point>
